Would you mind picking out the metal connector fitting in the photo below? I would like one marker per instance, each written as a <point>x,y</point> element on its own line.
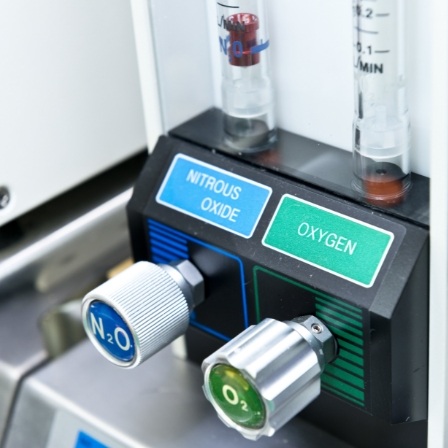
<point>189,279</point>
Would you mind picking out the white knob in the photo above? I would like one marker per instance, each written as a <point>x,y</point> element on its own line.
<point>141,310</point>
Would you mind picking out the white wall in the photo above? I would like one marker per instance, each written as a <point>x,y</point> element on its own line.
<point>70,102</point>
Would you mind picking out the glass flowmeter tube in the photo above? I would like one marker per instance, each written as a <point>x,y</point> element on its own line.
<point>381,128</point>
<point>247,93</point>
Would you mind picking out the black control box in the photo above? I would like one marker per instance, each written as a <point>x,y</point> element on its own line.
<point>270,244</point>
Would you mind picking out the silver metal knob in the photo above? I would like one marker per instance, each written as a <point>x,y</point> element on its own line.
<point>141,310</point>
<point>262,378</point>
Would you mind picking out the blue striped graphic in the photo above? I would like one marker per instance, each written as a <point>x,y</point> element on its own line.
<point>166,244</point>
<point>169,245</point>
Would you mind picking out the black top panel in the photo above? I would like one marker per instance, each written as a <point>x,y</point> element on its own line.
<point>405,248</point>
<point>316,164</point>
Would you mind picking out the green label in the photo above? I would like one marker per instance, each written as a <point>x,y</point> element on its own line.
<point>336,243</point>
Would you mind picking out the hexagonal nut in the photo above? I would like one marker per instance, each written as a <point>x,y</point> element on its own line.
<point>192,280</point>
<point>326,342</point>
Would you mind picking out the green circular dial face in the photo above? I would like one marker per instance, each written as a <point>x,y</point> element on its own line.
<point>236,397</point>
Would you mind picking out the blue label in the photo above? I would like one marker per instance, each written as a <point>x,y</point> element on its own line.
<point>111,331</point>
<point>85,441</point>
<point>213,195</point>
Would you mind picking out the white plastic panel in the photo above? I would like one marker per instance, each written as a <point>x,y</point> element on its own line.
<point>144,42</point>
<point>180,32</point>
<point>438,359</point>
<point>70,102</point>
